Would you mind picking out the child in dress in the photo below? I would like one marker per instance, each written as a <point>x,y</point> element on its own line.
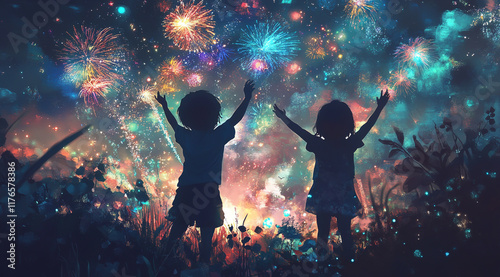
<point>197,198</point>
<point>334,144</point>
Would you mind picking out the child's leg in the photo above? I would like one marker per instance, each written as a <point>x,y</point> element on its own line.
<point>206,244</point>
<point>323,222</point>
<point>176,232</point>
<point>344,225</point>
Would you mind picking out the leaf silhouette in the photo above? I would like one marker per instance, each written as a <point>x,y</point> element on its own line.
<point>51,152</point>
<point>393,152</point>
<point>256,248</point>
<point>245,240</point>
<point>258,230</point>
<point>399,134</point>
<point>242,229</point>
<point>389,142</point>
<point>416,180</point>
<point>99,177</point>
<point>80,171</point>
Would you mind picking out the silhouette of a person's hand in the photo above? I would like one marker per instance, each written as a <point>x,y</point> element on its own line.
<point>279,112</point>
<point>384,98</point>
<point>161,99</point>
<point>249,88</point>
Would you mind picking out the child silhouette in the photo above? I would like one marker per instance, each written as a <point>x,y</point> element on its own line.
<point>197,197</point>
<point>334,144</point>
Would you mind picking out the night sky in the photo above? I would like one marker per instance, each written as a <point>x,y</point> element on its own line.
<point>437,58</point>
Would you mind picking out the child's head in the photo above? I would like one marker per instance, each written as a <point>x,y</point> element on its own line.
<point>335,121</point>
<point>199,110</point>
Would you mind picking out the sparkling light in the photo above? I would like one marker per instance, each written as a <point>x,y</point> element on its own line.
<point>91,53</point>
<point>190,27</point>
<point>269,43</point>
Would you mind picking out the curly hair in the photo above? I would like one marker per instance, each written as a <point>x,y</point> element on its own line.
<point>199,110</point>
<point>334,121</point>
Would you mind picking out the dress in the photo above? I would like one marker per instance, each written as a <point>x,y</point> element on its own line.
<point>197,198</point>
<point>332,191</point>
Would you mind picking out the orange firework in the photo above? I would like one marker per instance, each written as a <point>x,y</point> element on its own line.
<point>357,8</point>
<point>190,27</point>
<point>91,54</point>
<point>315,49</point>
<point>169,70</point>
<point>173,67</point>
<point>401,81</point>
<point>94,88</point>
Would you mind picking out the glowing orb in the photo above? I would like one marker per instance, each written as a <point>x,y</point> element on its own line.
<point>121,9</point>
<point>292,68</point>
<point>286,213</point>
<point>259,65</point>
<point>268,223</point>
<point>295,16</point>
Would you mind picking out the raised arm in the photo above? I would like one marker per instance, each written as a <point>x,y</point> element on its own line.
<point>242,108</point>
<point>170,117</point>
<point>381,102</point>
<point>281,114</point>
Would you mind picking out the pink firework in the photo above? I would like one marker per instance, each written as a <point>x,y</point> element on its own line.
<point>259,65</point>
<point>94,88</point>
<point>401,81</point>
<point>91,53</point>
<point>194,80</point>
<point>292,68</point>
<point>417,53</point>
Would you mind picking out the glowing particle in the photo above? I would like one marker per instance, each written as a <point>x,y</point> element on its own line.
<point>121,9</point>
<point>418,254</point>
<point>268,223</point>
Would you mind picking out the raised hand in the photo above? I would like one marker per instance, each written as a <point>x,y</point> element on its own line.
<point>249,88</point>
<point>279,112</point>
<point>161,99</point>
<point>384,98</point>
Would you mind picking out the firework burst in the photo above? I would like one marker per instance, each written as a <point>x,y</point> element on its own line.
<point>194,80</point>
<point>190,27</point>
<point>172,67</point>
<point>261,118</point>
<point>315,49</point>
<point>359,9</point>
<point>169,71</point>
<point>91,54</point>
<point>268,43</point>
<point>146,94</point>
<point>415,54</point>
<point>94,88</point>
<point>292,68</point>
<point>401,81</point>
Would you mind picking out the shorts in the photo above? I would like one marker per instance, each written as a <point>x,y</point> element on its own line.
<point>200,203</point>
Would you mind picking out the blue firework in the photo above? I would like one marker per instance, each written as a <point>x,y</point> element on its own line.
<point>221,52</point>
<point>269,44</point>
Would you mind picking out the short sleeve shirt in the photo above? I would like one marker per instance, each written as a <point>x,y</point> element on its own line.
<point>334,159</point>
<point>203,152</point>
